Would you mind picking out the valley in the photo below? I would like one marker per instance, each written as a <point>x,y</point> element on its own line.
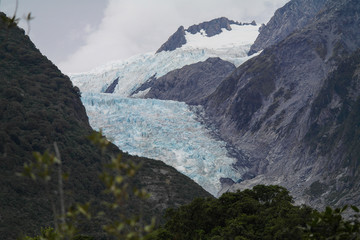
<point>237,130</point>
<point>167,130</point>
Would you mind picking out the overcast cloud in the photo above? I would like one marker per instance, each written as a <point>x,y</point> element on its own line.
<point>83,34</point>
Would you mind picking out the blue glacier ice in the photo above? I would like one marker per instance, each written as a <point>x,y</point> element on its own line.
<point>163,130</point>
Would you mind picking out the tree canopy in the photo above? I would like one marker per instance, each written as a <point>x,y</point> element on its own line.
<point>265,212</point>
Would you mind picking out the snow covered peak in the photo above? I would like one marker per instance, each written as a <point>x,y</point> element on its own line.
<point>207,29</point>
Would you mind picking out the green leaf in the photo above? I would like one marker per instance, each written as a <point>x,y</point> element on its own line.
<point>356,209</point>
<point>119,179</point>
<point>344,208</point>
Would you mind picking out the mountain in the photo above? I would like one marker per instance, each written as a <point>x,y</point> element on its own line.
<point>40,106</point>
<point>289,109</point>
<point>126,76</point>
<point>284,113</point>
<point>166,130</point>
<point>291,17</point>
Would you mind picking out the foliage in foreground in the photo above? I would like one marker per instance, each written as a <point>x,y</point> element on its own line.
<point>265,212</point>
<point>115,177</point>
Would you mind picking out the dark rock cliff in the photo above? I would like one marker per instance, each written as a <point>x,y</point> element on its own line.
<point>39,106</point>
<point>266,108</point>
<point>191,83</point>
<point>175,41</point>
<point>212,27</point>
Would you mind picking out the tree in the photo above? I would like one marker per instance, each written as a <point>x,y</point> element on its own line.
<point>264,212</point>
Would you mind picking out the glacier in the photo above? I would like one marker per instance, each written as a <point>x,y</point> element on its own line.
<point>169,131</point>
<point>165,130</point>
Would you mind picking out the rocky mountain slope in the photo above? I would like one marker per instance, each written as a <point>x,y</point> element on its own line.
<point>280,108</point>
<point>38,106</point>
<point>291,17</point>
<point>191,83</point>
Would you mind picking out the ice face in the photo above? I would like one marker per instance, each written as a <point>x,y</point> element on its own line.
<point>164,130</point>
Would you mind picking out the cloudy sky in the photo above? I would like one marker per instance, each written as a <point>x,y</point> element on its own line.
<point>78,35</point>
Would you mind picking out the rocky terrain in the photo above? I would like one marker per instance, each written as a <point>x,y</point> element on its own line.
<point>270,108</point>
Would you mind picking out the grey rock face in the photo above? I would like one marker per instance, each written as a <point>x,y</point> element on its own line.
<point>191,83</point>
<point>211,28</point>
<point>265,108</point>
<point>226,182</point>
<point>334,132</point>
<point>291,17</point>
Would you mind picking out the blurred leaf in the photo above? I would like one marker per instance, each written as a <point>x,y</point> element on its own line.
<point>356,209</point>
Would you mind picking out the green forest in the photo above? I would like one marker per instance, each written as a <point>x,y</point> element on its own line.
<point>264,212</point>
